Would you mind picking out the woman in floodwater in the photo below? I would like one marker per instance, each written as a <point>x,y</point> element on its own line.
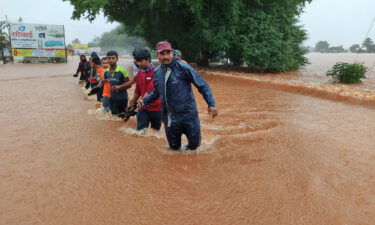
<point>83,69</point>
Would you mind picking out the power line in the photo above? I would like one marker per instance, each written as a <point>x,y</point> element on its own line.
<point>372,24</point>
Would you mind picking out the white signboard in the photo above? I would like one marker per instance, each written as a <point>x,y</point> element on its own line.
<point>37,36</point>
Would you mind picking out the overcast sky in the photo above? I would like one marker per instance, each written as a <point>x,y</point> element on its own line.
<point>340,22</point>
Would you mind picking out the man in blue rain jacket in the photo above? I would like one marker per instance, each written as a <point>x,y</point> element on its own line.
<point>172,81</point>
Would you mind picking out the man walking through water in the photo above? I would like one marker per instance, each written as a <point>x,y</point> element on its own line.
<point>172,82</point>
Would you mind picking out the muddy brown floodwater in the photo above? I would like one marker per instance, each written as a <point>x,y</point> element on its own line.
<point>273,156</point>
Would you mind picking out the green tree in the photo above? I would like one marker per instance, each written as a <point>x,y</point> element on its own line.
<point>76,41</point>
<point>355,48</point>
<point>322,47</point>
<point>95,42</point>
<point>369,45</point>
<point>117,39</point>
<point>264,35</point>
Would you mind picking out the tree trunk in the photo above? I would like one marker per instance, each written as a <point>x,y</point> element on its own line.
<point>2,51</point>
<point>203,59</point>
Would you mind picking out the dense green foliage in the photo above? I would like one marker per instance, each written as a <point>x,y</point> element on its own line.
<point>262,34</point>
<point>322,46</point>
<point>347,73</point>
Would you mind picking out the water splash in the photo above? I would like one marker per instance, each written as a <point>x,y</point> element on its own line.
<point>147,132</point>
<point>102,114</point>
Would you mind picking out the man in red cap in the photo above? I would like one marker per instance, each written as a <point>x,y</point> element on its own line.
<point>172,82</point>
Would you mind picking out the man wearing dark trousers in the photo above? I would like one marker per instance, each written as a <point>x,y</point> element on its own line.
<point>172,82</point>
<point>144,86</point>
<point>117,77</point>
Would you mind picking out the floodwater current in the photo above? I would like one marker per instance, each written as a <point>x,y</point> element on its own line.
<point>285,149</point>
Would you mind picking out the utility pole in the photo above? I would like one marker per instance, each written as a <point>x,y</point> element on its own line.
<point>2,36</point>
<point>3,26</point>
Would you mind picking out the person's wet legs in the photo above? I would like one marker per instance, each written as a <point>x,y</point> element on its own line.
<point>143,119</point>
<point>192,131</point>
<point>155,119</point>
<point>106,105</point>
<point>118,106</point>
<point>99,96</point>
<point>173,133</point>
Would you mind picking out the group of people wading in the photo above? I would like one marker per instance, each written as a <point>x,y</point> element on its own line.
<point>161,94</point>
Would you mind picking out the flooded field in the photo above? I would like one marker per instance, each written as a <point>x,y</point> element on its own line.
<point>312,78</point>
<point>279,152</point>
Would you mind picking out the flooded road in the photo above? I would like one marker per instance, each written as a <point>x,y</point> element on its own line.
<point>271,157</point>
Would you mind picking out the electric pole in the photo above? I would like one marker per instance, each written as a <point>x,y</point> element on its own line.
<point>3,42</point>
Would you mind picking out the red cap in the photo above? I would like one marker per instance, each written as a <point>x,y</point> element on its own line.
<point>163,45</point>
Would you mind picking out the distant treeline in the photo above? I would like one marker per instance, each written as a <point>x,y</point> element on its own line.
<point>367,46</point>
<point>116,39</point>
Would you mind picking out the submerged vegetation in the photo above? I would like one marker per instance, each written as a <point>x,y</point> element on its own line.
<point>347,73</point>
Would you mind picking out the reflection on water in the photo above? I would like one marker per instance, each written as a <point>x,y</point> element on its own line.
<point>271,157</point>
